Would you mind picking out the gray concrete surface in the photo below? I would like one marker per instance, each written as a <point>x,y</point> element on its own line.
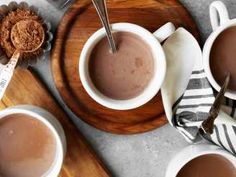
<point>142,155</point>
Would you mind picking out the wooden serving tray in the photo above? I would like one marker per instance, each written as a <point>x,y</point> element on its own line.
<point>80,159</point>
<point>81,21</point>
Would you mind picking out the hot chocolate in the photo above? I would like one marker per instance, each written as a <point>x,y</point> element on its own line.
<point>27,146</point>
<point>223,57</point>
<point>126,73</point>
<point>211,165</point>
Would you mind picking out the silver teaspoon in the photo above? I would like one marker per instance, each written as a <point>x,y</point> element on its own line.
<point>101,8</point>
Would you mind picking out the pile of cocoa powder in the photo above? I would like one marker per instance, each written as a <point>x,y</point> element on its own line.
<point>27,35</point>
<point>6,26</point>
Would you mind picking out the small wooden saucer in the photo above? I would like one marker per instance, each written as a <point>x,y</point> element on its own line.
<point>79,22</point>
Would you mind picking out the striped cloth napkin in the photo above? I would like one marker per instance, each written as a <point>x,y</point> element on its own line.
<point>188,96</point>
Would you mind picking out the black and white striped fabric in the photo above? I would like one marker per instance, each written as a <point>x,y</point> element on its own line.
<point>188,103</point>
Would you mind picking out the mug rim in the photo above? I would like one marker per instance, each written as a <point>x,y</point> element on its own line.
<point>55,167</point>
<point>206,57</point>
<point>193,151</point>
<point>154,84</point>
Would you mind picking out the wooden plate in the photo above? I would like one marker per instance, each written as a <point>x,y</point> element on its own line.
<point>81,21</point>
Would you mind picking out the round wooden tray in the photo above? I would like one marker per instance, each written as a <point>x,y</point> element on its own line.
<point>79,22</point>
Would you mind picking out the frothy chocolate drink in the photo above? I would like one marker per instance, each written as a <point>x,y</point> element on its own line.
<point>126,73</point>
<point>223,57</point>
<point>211,165</point>
<point>27,146</point>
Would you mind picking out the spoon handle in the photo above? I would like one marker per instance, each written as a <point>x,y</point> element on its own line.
<point>100,6</point>
<point>6,72</point>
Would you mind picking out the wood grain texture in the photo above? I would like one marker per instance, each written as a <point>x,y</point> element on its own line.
<point>80,159</point>
<point>81,21</point>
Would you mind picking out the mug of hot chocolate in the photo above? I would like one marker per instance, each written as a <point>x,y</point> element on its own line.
<point>202,160</point>
<point>219,52</point>
<point>132,75</point>
<point>32,142</point>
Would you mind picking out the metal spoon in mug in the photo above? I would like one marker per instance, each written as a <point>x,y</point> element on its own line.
<point>100,6</point>
<point>6,71</point>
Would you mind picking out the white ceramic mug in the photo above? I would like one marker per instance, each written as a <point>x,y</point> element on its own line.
<point>219,21</point>
<point>153,40</point>
<point>53,124</point>
<point>193,151</point>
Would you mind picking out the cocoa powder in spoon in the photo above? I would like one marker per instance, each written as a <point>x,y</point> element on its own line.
<point>27,35</point>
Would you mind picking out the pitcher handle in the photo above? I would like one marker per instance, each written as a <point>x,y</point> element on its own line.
<point>218,14</point>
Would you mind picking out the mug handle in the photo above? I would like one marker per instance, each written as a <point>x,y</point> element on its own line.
<point>218,14</point>
<point>164,31</point>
